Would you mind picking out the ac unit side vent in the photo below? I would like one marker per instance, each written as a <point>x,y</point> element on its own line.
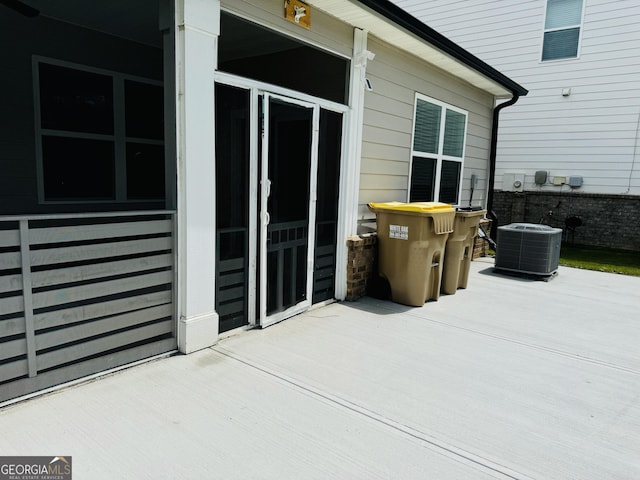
<point>528,248</point>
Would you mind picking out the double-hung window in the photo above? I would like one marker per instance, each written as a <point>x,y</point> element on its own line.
<point>99,134</point>
<point>562,25</point>
<point>437,155</point>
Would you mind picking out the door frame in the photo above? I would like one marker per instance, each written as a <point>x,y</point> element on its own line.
<point>256,89</point>
<point>265,189</point>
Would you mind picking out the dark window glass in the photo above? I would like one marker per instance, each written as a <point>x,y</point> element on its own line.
<point>232,245</point>
<point>144,113</point>
<point>145,171</point>
<point>329,150</point>
<point>423,173</point>
<point>232,156</point>
<point>290,130</point>
<point>449,182</point>
<point>77,169</point>
<point>561,44</point>
<point>75,101</point>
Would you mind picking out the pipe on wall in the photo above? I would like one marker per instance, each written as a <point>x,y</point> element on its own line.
<point>492,159</point>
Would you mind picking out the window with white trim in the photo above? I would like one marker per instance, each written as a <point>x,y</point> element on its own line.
<point>437,154</point>
<point>99,134</point>
<point>562,25</point>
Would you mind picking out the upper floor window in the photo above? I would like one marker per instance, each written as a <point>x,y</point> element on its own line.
<point>562,25</point>
<point>437,155</point>
<point>99,134</point>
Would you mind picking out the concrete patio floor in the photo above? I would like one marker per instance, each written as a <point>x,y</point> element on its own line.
<point>510,378</point>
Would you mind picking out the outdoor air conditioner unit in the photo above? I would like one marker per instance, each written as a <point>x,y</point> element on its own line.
<point>528,248</point>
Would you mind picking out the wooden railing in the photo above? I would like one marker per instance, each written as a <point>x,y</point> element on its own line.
<point>80,294</point>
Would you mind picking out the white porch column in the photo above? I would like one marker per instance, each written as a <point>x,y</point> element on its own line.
<point>197,30</point>
<point>350,171</point>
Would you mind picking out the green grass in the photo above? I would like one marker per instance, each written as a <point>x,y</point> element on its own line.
<point>600,259</point>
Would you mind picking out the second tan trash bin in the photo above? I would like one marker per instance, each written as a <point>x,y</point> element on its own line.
<point>411,243</point>
<point>459,250</point>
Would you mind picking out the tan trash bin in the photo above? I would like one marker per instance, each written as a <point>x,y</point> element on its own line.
<point>459,250</point>
<point>411,243</point>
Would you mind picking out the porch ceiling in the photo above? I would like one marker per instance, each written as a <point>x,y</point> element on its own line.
<point>360,16</point>
<point>133,20</point>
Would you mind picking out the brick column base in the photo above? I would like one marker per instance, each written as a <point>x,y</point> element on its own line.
<point>360,264</point>
<point>481,246</point>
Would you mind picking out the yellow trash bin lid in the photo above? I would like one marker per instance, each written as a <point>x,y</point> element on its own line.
<point>443,214</point>
<point>415,207</point>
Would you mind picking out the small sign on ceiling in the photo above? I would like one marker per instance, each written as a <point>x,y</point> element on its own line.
<point>298,13</point>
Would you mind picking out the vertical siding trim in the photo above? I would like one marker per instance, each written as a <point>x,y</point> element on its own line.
<point>27,296</point>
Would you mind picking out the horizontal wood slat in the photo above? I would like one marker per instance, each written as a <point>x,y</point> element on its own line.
<point>102,326</point>
<point>100,289</point>
<point>230,293</point>
<point>10,327</point>
<point>12,370</point>
<point>93,292</point>
<point>10,283</point>
<point>13,348</point>
<point>229,308</point>
<point>11,305</point>
<point>39,236</point>
<point>9,238</point>
<point>325,261</point>
<point>323,284</point>
<point>325,250</point>
<point>99,270</point>
<point>96,310</point>
<point>72,372</point>
<point>9,260</point>
<point>93,347</point>
<point>232,264</point>
<point>54,256</point>
<point>323,273</point>
<point>226,280</point>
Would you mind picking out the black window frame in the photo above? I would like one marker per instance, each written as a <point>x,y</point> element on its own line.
<point>80,133</point>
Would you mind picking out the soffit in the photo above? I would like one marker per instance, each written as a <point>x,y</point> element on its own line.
<point>364,18</point>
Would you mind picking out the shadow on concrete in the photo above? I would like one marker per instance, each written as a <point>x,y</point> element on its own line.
<point>518,276</point>
<point>379,306</point>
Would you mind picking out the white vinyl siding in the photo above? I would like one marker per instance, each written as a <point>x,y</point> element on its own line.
<point>594,131</point>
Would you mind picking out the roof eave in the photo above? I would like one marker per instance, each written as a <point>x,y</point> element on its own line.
<point>410,23</point>
<point>411,35</point>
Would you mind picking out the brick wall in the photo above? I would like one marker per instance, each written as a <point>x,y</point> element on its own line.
<point>607,220</point>
<point>361,264</point>
<point>481,246</point>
